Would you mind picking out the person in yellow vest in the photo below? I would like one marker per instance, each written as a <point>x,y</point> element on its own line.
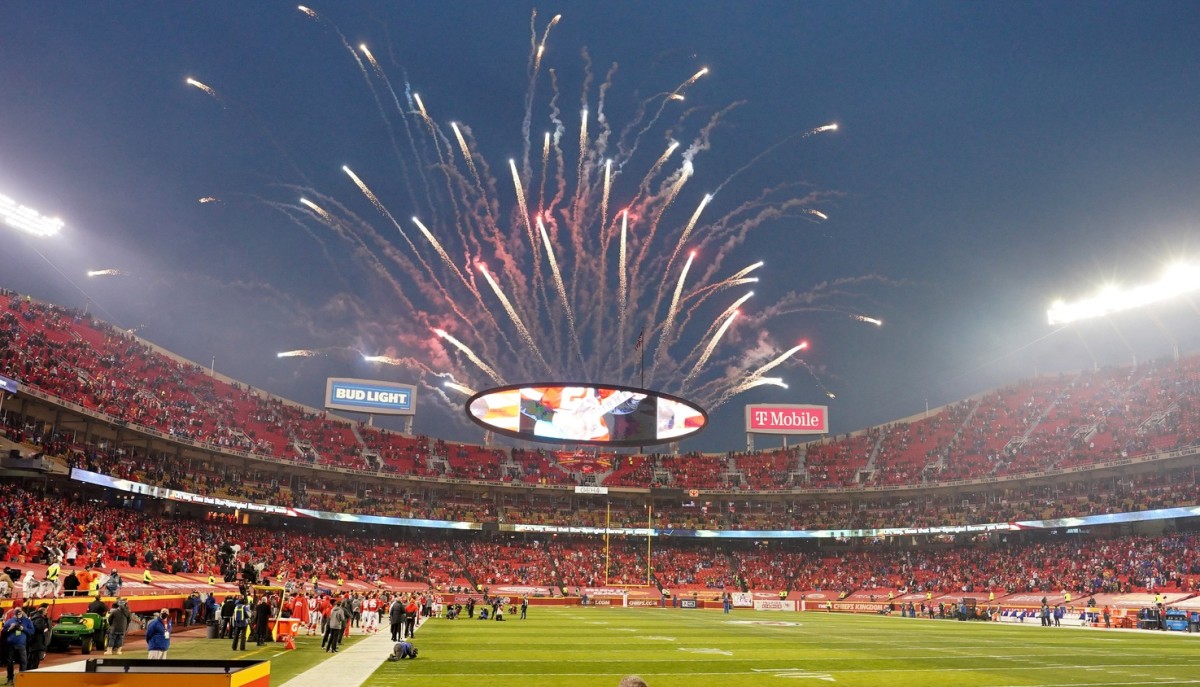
<point>212,581</point>
<point>782,594</point>
<point>147,578</point>
<point>314,583</point>
<point>340,581</point>
<point>991,596</point>
<point>52,575</point>
<point>1067,597</point>
<point>928,597</point>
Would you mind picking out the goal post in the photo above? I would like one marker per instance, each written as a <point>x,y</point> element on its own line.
<point>649,547</point>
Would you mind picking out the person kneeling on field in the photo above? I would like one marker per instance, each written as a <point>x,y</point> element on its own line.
<point>401,650</point>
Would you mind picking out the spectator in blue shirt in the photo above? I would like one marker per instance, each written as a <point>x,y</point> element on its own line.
<point>17,631</point>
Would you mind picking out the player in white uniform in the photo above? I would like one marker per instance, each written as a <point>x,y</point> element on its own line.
<point>371,614</point>
<point>314,614</point>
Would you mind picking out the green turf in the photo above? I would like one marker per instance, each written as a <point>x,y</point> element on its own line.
<point>285,664</point>
<point>595,647</point>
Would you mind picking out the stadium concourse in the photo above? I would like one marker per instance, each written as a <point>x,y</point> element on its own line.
<point>152,462</point>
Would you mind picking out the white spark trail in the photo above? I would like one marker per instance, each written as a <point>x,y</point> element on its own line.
<point>207,89</point>
<point>687,230</point>
<point>520,190</point>
<point>664,339</point>
<point>487,369</point>
<point>459,388</point>
<point>513,316</point>
<point>712,345</point>
<point>607,192</point>
<point>466,152</point>
<point>299,353</point>
<point>558,282</point>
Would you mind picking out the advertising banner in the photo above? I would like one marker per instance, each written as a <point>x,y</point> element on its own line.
<point>688,603</point>
<point>587,489</point>
<point>774,605</point>
<point>743,600</point>
<point>369,396</point>
<point>786,418</point>
<point>642,603</point>
<point>9,385</point>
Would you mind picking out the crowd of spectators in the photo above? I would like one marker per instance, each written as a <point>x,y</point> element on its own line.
<point>1038,424</point>
<point>1084,494</point>
<point>103,536</point>
<point>1041,424</point>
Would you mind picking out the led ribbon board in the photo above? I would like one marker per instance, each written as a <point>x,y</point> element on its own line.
<point>576,413</point>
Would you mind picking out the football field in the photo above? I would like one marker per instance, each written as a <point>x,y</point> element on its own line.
<point>595,647</point>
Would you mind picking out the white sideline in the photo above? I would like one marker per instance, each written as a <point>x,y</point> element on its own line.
<point>352,665</point>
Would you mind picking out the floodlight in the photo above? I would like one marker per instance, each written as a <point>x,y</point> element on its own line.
<point>27,219</point>
<point>1179,278</point>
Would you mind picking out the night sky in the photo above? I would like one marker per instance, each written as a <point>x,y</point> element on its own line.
<point>990,157</point>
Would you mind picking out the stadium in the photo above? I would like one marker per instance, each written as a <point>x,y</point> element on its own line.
<point>542,431</point>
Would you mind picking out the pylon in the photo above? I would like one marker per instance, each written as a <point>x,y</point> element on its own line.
<point>288,643</point>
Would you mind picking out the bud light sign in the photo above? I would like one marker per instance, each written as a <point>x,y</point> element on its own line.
<point>773,418</point>
<point>367,396</point>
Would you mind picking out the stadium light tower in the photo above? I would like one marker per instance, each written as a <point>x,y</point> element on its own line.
<point>27,219</point>
<point>1179,279</point>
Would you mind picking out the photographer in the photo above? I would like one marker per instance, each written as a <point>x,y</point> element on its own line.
<point>403,649</point>
<point>16,631</point>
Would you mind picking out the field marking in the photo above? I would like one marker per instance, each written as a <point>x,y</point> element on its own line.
<point>656,638</point>
<point>1104,684</point>
<point>837,671</point>
<point>796,674</point>
<point>746,672</point>
<point>719,652</point>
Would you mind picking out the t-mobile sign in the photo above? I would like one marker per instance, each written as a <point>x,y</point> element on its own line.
<point>777,418</point>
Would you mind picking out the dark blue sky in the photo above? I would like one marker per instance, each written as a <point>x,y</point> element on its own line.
<point>991,156</point>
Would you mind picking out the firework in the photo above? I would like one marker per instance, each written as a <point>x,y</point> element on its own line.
<point>459,388</point>
<point>674,309</point>
<point>548,310</point>
<point>558,280</point>
<point>299,353</point>
<point>107,273</point>
<point>868,320</point>
<point>207,89</point>
<point>712,343</point>
<point>470,355</point>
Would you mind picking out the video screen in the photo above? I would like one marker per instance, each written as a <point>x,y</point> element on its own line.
<point>574,413</point>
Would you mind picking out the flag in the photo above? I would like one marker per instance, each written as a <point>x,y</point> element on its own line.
<point>641,340</point>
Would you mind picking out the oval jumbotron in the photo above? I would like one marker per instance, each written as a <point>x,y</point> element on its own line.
<point>579,413</point>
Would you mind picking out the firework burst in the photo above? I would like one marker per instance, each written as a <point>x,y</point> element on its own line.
<point>551,269</point>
